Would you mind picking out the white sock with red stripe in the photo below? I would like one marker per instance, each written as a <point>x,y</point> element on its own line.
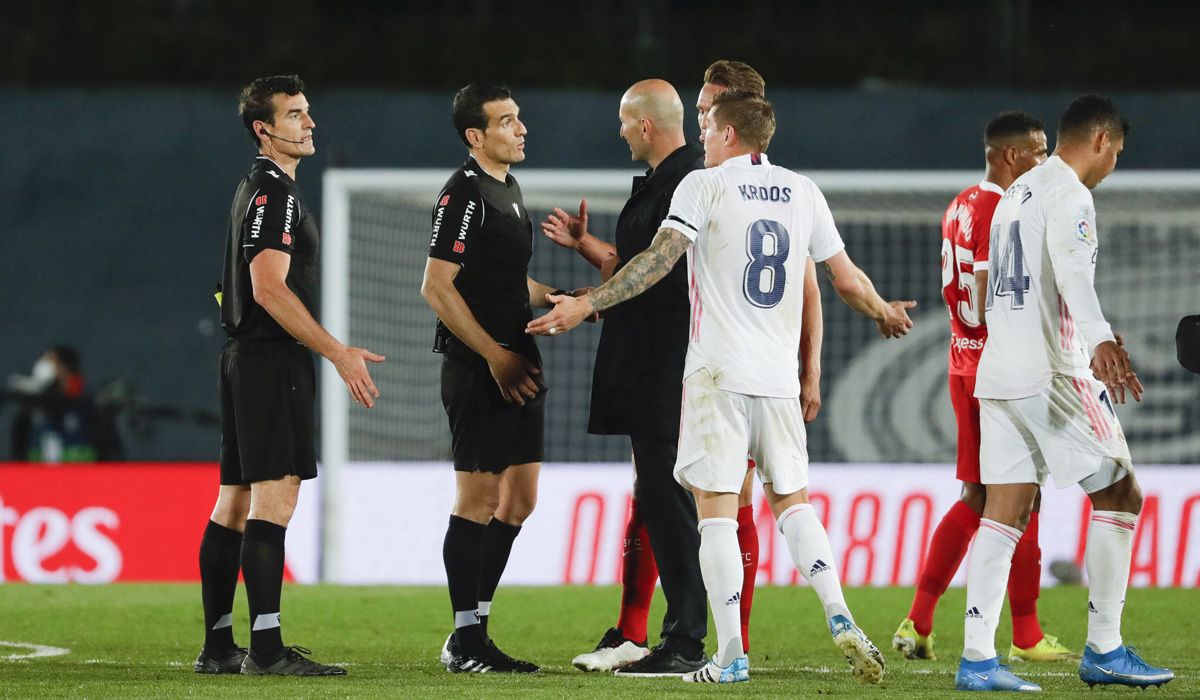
<point>987,580</point>
<point>1109,548</point>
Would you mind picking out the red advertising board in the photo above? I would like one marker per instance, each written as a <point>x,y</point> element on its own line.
<point>96,523</point>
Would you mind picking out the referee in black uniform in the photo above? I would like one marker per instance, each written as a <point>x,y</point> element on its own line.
<point>637,382</point>
<point>267,386</point>
<point>477,281</point>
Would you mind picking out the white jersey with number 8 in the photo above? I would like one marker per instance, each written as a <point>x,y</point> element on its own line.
<point>753,225</point>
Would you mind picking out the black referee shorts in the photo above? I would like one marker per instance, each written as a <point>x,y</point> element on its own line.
<point>268,416</point>
<point>488,434</point>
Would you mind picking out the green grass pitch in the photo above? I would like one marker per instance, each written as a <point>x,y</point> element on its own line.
<point>140,641</point>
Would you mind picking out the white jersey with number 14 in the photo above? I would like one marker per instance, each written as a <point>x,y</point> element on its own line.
<point>753,226</point>
<point>1042,313</point>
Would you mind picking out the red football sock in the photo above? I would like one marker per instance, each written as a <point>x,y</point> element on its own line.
<point>946,551</point>
<point>639,573</point>
<point>748,542</point>
<point>1024,585</point>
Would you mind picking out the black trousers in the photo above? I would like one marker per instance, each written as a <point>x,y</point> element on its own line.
<point>669,512</point>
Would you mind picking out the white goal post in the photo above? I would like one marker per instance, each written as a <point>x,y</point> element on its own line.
<point>883,402</point>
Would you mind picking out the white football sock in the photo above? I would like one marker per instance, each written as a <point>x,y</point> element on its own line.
<point>1109,549</point>
<point>808,543</point>
<point>987,580</point>
<point>721,567</point>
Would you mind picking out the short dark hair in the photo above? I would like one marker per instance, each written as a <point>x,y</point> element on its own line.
<point>1087,113</point>
<point>255,104</point>
<point>736,75</point>
<point>750,115</point>
<point>1007,125</point>
<point>468,106</point>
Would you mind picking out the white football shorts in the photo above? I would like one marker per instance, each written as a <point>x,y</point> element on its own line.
<point>1070,431</point>
<point>718,429</point>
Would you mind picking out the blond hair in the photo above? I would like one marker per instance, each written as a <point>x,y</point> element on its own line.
<point>736,75</point>
<point>750,115</point>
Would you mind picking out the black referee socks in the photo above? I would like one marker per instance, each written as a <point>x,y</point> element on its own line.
<point>462,553</point>
<point>262,566</point>
<point>497,545</point>
<point>220,559</point>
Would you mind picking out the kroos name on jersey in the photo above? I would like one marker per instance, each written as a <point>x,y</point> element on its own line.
<point>759,193</point>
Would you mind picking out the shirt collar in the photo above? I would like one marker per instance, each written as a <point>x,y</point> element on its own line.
<point>988,186</point>
<point>678,159</point>
<point>272,161</point>
<point>747,160</point>
<point>473,164</point>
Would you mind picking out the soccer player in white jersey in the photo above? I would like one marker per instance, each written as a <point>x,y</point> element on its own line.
<point>1014,142</point>
<point>1049,374</point>
<point>752,225</point>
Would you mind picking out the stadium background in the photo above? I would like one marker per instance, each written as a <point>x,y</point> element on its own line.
<point>121,147</point>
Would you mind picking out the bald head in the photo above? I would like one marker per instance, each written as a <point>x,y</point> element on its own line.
<point>652,120</point>
<point>655,100</point>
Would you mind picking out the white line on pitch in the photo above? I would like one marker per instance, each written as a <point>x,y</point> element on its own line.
<point>34,651</point>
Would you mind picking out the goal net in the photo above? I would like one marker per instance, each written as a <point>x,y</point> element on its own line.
<point>883,401</point>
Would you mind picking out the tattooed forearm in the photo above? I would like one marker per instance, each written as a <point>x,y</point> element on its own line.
<point>643,271</point>
<point>828,271</point>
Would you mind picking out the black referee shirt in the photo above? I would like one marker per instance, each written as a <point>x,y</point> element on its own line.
<point>481,224</point>
<point>267,213</point>
<point>637,382</point>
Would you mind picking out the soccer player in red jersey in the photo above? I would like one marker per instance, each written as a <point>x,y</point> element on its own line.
<point>1015,143</point>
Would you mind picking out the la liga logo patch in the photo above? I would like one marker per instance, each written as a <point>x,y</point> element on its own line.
<point>1083,229</point>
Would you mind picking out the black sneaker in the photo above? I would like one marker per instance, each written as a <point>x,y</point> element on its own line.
<point>491,660</point>
<point>290,662</point>
<point>232,663</point>
<point>663,661</point>
<point>503,663</point>
<point>459,662</point>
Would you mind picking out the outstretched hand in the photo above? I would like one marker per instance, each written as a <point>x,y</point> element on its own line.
<point>351,365</point>
<point>895,321</point>
<point>567,313</point>
<point>583,292</point>
<point>566,229</point>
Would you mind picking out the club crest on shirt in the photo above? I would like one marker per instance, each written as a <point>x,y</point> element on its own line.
<point>1084,230</point>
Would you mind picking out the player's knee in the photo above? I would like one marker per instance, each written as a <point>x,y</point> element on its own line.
<point>975,496</point>
<point>480,511</point>
<point>1124,496</point>
<point>1022,518</point>
<point>276,505</point>
<point>1130,496</point>
<point>231,515</point>
<point>232,508</point>
<point>278,512</point>
<point>517,508</point>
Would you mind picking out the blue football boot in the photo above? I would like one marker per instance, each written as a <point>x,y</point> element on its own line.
<point>1121,666</point>
<point>989,674</point>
